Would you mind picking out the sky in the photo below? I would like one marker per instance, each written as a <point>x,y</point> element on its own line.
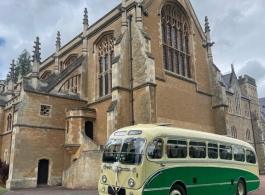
<point>237,28</point>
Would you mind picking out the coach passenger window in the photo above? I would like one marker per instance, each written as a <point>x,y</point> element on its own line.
<point>155,149</point>
<point>176,149</point>
<point>197,149</point>
<point>225,152</point>
<point>239,154</point>
<point>212,151</point>
<point>250,156</point>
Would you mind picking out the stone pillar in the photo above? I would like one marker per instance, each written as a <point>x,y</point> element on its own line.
<point>36,64</point>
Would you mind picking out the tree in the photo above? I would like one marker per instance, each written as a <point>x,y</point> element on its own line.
<point>23,63</point>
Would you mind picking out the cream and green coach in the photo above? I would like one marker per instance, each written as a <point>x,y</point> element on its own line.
<point>160,160</point>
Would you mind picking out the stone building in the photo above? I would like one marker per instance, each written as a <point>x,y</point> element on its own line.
<point>145,61</point>
<point>262,107</point>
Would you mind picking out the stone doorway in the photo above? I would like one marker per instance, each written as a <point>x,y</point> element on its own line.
<point>43,170</point>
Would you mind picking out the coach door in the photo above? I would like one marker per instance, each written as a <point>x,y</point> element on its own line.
<point>43,169</point>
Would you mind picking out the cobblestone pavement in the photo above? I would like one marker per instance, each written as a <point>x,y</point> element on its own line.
<point>64,191</point>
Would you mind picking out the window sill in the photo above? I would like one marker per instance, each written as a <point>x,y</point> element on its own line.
<point>179,77</point>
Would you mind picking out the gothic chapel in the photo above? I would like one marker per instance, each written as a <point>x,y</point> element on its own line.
<point>146,61</point>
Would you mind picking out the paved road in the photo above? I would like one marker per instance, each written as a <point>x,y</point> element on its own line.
<point>50,191</point>
<point>64,191</point>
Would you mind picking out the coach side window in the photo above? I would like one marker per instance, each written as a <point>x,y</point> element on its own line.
<point>212,150</point>
<point>197,149</point>
<point>225,152</point>
<point>250,157</point>
<point>239,154</point>
<point>176,149</point>
<point>155,149</point>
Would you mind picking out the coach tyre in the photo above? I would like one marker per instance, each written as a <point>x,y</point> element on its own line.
<point>241,188</point>
<point>177,190</point>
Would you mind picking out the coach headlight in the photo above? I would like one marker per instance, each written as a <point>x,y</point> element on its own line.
<point>104,178</point>
<point>131,182</point>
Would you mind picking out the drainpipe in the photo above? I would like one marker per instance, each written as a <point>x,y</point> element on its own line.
<point>252,126</point>
<point>131,70</point>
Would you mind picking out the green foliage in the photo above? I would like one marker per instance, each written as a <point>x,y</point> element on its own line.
<point>23,63</point>
<point>4,170</point>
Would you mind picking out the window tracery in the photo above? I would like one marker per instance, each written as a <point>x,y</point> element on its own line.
<point>248,137</point>
<point>9,122</point>
<point>229,105</point>
<point>234,132</point>
<point>105,57</point>
<point>69,60</point>
<point>72,84</point>
<point>175,38</point>
<point>46,74</point>
<point>246,110</point>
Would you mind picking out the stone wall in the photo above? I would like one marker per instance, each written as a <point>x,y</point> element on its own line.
<point>84,172</point>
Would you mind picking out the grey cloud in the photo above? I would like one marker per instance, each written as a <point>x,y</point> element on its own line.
<point>253,68</point>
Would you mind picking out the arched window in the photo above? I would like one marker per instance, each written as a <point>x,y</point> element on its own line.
<point>9,122</point>
<point>72,84</point>
<point>69,60</point>
<point>248,137</point>
<point>89,129</point>
<point>175,38</point>
<point>233,132</point>
<point>46,74</point>
<point>105,58</point>
<point>237,102</point>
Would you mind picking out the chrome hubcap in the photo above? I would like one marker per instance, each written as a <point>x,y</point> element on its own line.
<point>240,189</point>
<point>175,192</point>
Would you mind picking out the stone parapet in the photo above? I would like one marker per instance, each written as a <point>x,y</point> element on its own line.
<point>84,172</point>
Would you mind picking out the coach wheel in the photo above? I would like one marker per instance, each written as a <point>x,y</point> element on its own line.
<point>241,189</point>
<point>177,190</point>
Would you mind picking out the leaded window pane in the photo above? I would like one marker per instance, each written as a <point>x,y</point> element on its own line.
<point>187,45</point>
<point>170,60</point>
<point>180,40</point>
<point>163,34</point>
<point>106,62</point>
<point>165,58</point>
<point>101,86</point>
<point>175,38</point>
<point>169,41</point>
<point>106,57</point>
<point>176,63</point>
<point>100,65</point>
<point>106,84</point>
<point>188,66</point>
<point>182,65</point>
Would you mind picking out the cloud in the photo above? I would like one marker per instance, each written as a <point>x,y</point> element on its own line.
<point>237,29</point>
<point>253,68</point>
<point>256,70</point>
<point>2,42</point>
